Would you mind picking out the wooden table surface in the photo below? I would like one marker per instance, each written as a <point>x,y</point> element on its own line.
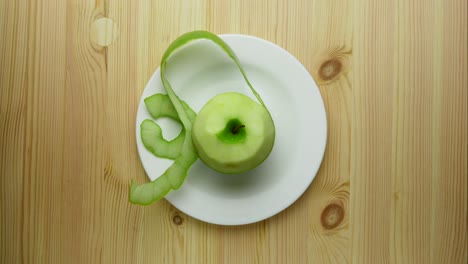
<point>393,184</point>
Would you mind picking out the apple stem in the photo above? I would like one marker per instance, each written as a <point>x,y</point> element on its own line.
<point>236,128</point>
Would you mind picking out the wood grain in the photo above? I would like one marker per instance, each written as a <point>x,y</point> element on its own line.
<point>393,187</point>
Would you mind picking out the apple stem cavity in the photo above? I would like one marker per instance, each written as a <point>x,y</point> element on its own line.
<point>235,129</point>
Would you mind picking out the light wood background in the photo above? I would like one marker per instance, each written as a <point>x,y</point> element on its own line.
<point>393,184</point>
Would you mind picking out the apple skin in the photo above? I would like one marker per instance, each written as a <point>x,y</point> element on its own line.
<point>232,133</point>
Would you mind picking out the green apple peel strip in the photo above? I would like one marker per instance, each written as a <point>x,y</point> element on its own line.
<point>183,153</point>
<point>159,105</point>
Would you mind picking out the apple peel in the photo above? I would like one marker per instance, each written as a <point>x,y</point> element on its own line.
<point>182,152</point>
<point>159,105</point>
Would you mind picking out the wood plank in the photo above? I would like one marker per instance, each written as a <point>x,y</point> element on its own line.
<point>33,130</point>
<point>83,172</point>
<point>449,219</point>
<point>13,115</point>
<point>371,132</point>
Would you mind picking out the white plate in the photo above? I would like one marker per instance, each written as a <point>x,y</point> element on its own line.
<point>201,70</point>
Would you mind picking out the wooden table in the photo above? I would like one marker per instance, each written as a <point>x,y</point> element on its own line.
<point>393,184</point>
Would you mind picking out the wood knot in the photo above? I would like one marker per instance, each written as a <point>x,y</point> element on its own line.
<point>330,69</point>
<point>104,31</point>
<point>177,219</point>
<point>332,216</point>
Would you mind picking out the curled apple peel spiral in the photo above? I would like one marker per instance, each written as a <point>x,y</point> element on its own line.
<point>186,148</point>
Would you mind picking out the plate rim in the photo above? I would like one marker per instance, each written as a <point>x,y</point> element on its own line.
<point>299,192</point>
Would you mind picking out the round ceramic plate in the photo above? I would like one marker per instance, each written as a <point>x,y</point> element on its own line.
<point>201,70</point>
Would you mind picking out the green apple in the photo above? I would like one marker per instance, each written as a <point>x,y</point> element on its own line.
<point>232,133</point>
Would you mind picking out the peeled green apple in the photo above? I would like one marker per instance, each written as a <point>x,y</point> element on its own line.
<point>232,133</point>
